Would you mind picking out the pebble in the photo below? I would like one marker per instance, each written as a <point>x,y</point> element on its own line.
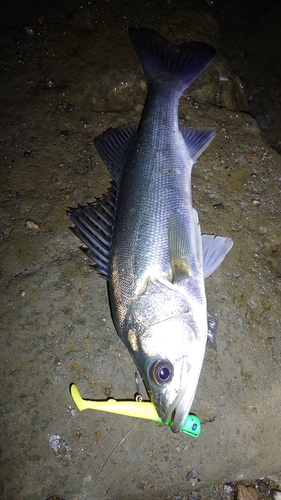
<point>54,498</point>
<point>228,488</point>
<point>31,225</point>
<point>275,494</point>
<point>218,206</point>
<point>246,492</point>
<point>29,30</point>
<point>49,82</point>
<point>192,477</point>
<point>256,202</point>
<point>251,155</point>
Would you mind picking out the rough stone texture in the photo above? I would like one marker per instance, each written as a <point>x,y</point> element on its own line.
<point>66,78</point>
<point>246,492</point>
<point>275,494</point>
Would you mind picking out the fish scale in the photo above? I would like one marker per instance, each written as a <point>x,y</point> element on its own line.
<point>145,234</point>
<point>147,215</point>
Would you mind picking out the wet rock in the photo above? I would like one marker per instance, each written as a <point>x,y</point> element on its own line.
<point>229,92</point>
<point>228,488</point>
<point>275,494</point>
<point>49,82</point>
<point>257,111</point>
<point>262,121</point>
<point>84,20</point>
<point>54,497</point>
<point>251,155</point>
<point>255,108</point>
<point>218,206</point>
<point>31,225</point>
<point>246,492</point>
<point>192,477</point>
<point>29,30</point>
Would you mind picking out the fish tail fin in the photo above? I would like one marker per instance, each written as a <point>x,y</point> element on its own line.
<point>160,59</point>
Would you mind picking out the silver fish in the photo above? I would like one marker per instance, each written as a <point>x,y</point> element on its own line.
<point>145,235</point>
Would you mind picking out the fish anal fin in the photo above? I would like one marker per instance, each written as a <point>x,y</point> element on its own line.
<point>197,140</point>
<point>215,249</point>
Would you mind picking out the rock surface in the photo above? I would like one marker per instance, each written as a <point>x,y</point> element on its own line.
<point>246,492</point>
<point>69,73</point>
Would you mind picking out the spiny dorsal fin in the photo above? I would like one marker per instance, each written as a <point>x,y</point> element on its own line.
<point>94,226</point>
<point>112,146</point>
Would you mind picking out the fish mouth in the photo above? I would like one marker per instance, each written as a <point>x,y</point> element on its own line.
<point>178,412</point>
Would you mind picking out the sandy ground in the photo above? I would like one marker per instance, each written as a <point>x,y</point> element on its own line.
<point>69,73</point>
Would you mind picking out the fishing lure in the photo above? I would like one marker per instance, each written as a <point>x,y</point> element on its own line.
<point>143,409</point>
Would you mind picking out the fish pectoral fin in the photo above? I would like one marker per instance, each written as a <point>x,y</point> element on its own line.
<point>112,146</point>
<point>197,140</point>
<point>215,249</point>
<point>179,248</point>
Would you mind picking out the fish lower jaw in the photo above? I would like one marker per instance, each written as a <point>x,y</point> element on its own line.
<point>178,418</point>
<point>177,412</point>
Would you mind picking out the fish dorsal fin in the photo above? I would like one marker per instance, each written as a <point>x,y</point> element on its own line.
<point>112,146</point>
<point>179,248</point>
<point>197,140</point>
<point>215,249</point>
<point>94,226</point>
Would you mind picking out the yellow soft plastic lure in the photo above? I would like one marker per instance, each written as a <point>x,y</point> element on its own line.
<point>144,409</point>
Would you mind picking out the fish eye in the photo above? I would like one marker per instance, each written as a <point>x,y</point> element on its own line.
<point>161,372</point>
